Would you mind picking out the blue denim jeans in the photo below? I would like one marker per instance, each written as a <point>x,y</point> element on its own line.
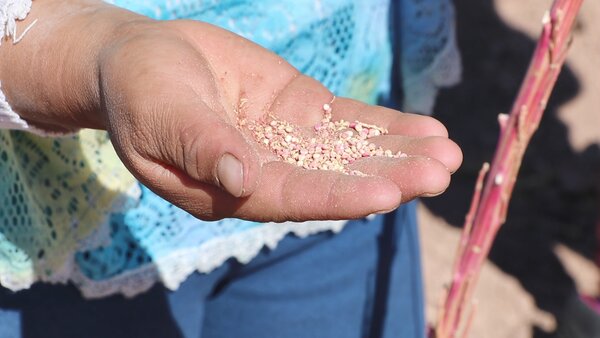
<point>362,282</point>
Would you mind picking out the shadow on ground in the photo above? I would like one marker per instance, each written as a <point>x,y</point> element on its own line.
<point>556,196</point>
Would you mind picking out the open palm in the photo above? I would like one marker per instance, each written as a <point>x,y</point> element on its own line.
<point>173,92</point>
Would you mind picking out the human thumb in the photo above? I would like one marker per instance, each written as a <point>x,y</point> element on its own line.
<point>211,150</point>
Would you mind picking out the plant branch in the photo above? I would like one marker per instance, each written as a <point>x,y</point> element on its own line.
<point>490,200</point>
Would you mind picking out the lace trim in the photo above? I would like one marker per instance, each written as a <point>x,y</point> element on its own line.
<point>421,90</point>
<point>174,269</point>
<point>12,11</point>
<point>8,118</point>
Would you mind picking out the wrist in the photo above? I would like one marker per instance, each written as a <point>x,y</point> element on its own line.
<point>50,78</point>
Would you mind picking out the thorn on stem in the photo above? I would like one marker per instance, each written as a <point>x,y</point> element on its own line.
<point>546,18</point>
<point>498,179</point>
<point>502,120</point>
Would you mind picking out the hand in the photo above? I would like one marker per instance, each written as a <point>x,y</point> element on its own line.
<point>169,93</point>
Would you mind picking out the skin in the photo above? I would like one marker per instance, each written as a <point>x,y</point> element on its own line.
<point>169,93</point>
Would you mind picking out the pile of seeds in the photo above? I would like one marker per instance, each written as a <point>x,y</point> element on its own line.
<point>333,146</point>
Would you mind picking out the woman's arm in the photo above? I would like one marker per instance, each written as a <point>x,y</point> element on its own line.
<point>170,94</point>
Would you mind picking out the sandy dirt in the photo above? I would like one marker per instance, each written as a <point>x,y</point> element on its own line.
<point>544,254</point>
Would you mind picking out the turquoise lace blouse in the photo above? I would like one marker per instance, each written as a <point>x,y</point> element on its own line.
<point>70,211</point>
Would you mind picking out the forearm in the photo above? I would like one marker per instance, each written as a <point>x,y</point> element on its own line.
<point>51,78</point>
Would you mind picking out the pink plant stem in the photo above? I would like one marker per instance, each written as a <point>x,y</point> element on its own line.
<point>489,206</point>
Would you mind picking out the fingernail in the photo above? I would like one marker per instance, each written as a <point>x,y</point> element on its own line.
<point>230,174</point>
<point>382,212</point>
<point>433,194</point>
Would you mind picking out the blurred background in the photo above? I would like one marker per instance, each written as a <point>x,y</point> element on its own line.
<point>544,256</point>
